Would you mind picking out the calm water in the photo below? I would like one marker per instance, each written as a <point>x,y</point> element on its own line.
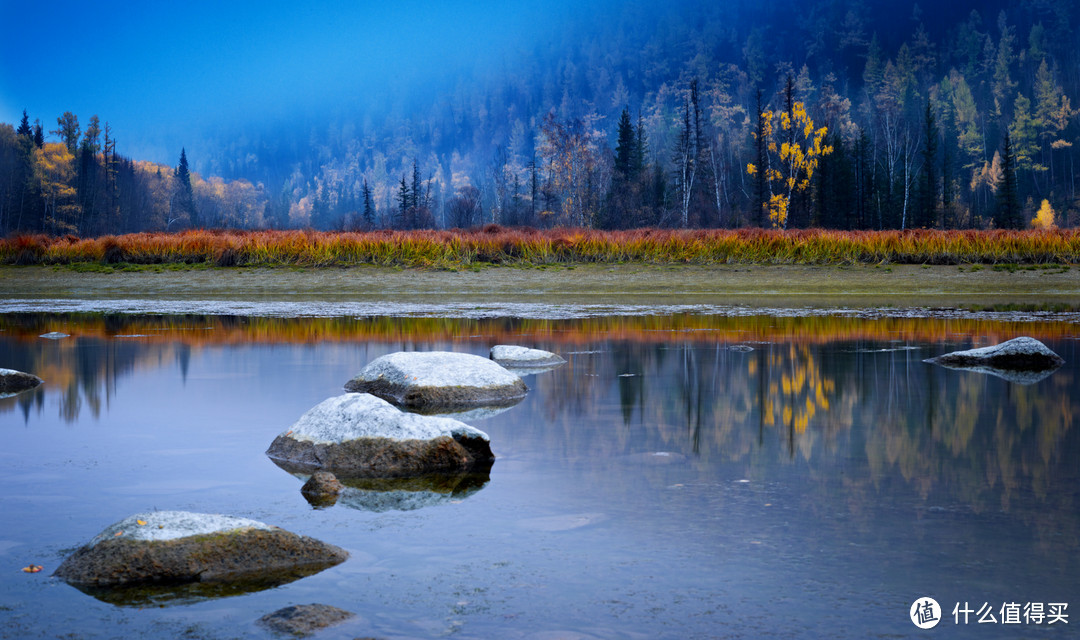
<point>680,477</point>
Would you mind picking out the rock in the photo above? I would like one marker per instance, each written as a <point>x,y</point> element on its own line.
<point>304,620</point>
<point>515,358</point>
<point>179,547</point>
<point>54,335</point>
<point>438,380</point>
<point>357,435</point>
<point>322,489</point>
<point>12,382</point>
<point>1018,354</point>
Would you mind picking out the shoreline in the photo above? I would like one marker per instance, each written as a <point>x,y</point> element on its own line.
<point>797,286</point>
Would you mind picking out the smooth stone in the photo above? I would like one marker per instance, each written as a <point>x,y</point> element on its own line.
<point>182,547</point>
<point>54,335</point>
<point>1018,354</point>
<point>515,357</point>
<point>433,380</point>
<point>304,620</point>
<point>12,382</point>
<point>357,435</point>
<point>322,489</point>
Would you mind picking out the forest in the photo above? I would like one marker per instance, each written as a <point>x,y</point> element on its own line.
<point>837,114</point>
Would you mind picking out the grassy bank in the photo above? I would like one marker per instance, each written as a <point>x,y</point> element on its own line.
<point>497,245</point>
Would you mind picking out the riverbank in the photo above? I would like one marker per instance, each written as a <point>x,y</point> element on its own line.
<point>859,286</point>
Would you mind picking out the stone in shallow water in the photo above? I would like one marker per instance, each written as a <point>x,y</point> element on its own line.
<point>357,435</point>
<point>176,547</point>
<point>322,489</point>
<point>434,380</point>
<point>54,335</point>
<point>304,620</point>
<point>524,357</point>
<point>1018,354</point>
<point>12,382</point>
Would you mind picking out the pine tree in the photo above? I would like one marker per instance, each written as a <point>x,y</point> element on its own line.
<point>1008,214</point>
<point>404,201</point>
<point>184,195</point>
<point>67,130</point>
<point>926,211</point>
<point>369,208</point>
<point>24,126</point>
<point>624,149</point>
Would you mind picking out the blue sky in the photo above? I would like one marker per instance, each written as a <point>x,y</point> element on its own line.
<point>159,72</point>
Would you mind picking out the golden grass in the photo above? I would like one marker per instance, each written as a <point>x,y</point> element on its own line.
<point>500,245</point>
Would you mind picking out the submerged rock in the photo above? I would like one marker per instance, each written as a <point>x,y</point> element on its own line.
<point>176,547</point>
<point>1019,354</point>
<point>523,358</point>
<point>322,489</point>
<point>304,620</point>
<point>357,435</point>
<point>12,382</point>
<point>438,380</point>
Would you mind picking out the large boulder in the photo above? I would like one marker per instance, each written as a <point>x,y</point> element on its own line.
<point>357,435</point>
<point>1018,354</point>
<point>12,382</point>
<point>435,381</point>
<point>176,547</point>
<point>523,358</point>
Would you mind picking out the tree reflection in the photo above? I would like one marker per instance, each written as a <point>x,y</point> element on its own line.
<point>762,392</point>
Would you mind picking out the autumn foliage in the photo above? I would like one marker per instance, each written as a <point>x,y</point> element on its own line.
<point>514,246</point>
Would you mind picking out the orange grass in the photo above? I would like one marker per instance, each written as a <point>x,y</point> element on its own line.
<point>499,245</point>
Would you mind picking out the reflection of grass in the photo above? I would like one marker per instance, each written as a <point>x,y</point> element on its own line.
<point>498,245</point>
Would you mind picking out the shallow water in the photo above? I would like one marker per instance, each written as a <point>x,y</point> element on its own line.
<point>683,476</point>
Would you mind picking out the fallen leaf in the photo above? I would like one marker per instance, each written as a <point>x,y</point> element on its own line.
<point>140,522</point>
<point>117,534</point>
<point>34,568</point>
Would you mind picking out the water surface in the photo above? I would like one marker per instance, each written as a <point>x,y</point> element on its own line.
<point>682,476</point>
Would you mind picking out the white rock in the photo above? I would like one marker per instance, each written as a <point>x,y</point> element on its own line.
<point>171,525</point>
<point>1027,354</point>
<point>358,435</point>
<point>520,357</point>
<point>361,415</point>
<point>438,379</point>
<point>54,335</point>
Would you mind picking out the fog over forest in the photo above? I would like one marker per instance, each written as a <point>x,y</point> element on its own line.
<point>836,113</point>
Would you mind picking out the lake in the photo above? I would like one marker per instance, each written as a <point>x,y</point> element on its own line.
<point>684,475</point>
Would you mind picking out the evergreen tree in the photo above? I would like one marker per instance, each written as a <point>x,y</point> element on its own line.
<point>67,130</point>
<point>39,135</point>
<point>404,201</point>
<point>369,208</point>
<point>24,126</point>
<point>926,204</point>
<point>1008,214</point>
<point>183,201</point>
<point>625,147</point>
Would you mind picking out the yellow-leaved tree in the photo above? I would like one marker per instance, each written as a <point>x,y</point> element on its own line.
<point>54,171</point>
<point>794,150</point>
<point>1044,219</point>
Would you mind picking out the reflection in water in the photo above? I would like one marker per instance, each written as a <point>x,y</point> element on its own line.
<point>160,595</point>
<point>400,494</point>
<point>724,460</point>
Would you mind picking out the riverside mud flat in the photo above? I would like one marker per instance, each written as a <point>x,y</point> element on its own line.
<point>630,284</point>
